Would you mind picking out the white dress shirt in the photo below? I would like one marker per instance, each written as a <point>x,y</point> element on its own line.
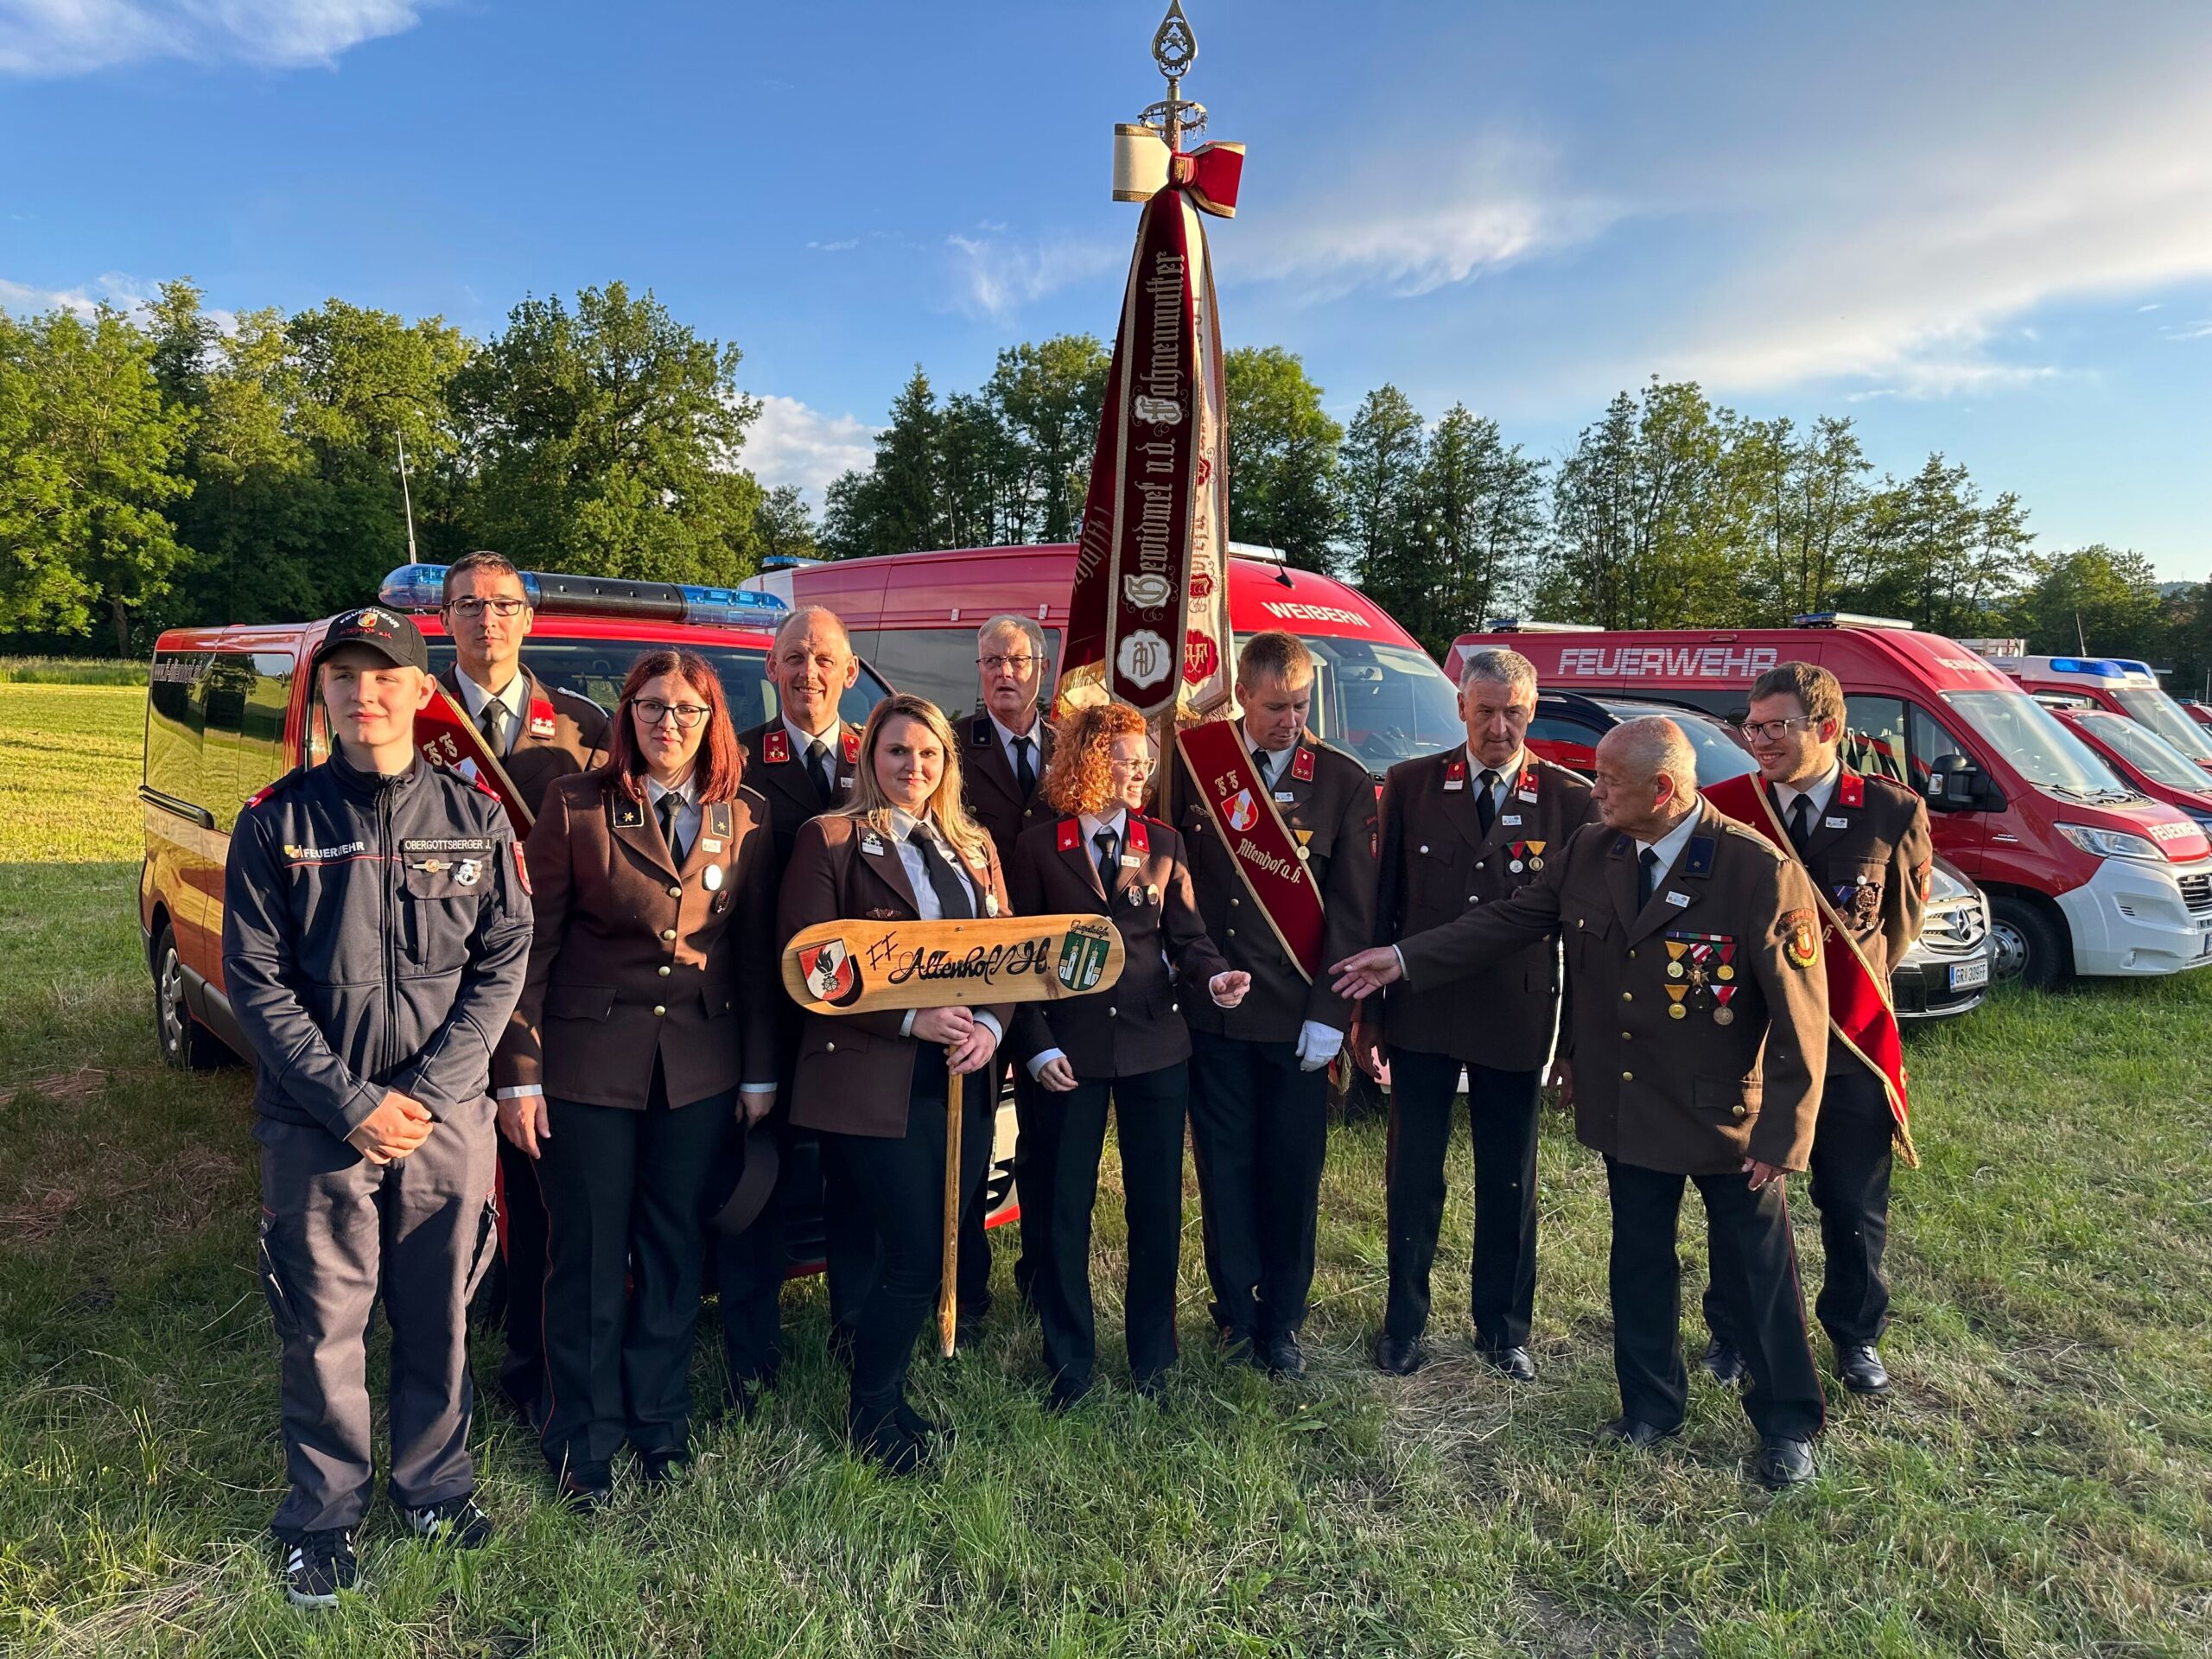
<point>513,697</point>
<point>926,902</point>
<point>687,815</point>
<point>1506,775</point>
<point>1820,792</point>
<point>1269,761</point>
<point>1036,736</point>
<point>1668,847</point>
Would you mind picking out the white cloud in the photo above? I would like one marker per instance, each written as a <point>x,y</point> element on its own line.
<point>792,443</point>
<point>2201,329</point>
<point>129,294</point>
<point>993,277</point>
<point>67,37</point>
<point>844,246</point>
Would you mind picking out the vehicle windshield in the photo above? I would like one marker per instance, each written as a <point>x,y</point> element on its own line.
<point>1384,703</point>
<point>2148,753</point>
<point>2164,716</point>
<point>2038,746</point>
<point>1719,754</point>
<point>596,668</point>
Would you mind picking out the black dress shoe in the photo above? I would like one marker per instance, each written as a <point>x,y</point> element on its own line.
<point>1065,1394</point>
<point>585,1490</point>
<point>1783,1462</point>
<point>924,1428</point>
<point>1154,1386</point>
<point>1513,1362</point>
<point>966,1328</point>
<point>1278,1355</point>
<point>1634,1431</point>
<point>656,1469</point>
<point>1399,1356</point>
<point>1235,1345</point>
<point>1861,1369</point>
<point>887,1444</point>
<point>1722,1362</point>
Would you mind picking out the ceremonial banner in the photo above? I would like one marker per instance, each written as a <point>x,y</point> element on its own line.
<point>1269,858</point>
<point>1148,623</point>
<point>447,737</point>
<point>1859,1012</point>
<point>854,966</point>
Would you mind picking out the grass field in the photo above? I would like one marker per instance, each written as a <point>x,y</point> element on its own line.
<point>2038,1485</point>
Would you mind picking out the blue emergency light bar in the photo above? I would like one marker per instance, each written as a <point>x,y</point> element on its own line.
<point>2104,667</point>
<point>420,588</point>
<point>1846,620</point>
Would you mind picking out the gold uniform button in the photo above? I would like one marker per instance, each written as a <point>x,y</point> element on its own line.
<point>828,1048</point>
<point>1110,1013</point>
<point>1424,846</point>
<point>667,932</point>
<point>676,892</point>
<point>1738,1110</point>
<point>1632,956</point>
<point>658,1010</point>
<point>1234,902</point>
<point>1628,1077</point>
<point>1628,996</point>
<point>663,970</point>
<point>1232,932</point>
<point>1626,1038</point>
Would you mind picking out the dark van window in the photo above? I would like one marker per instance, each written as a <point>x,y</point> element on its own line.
<point>243,751</point>
<point>176,709</point>
<point>596,669</point>
<point>939,663</point>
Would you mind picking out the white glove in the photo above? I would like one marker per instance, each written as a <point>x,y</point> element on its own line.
<point>1318,1044</point>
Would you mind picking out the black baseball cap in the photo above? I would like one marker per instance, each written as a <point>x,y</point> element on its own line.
<point>391,636</point>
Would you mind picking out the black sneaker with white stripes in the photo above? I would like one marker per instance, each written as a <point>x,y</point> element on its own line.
<point>318,1567</point>
<point>457,1523</point>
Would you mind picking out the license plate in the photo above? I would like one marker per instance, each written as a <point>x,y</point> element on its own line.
<point>1967,974</point>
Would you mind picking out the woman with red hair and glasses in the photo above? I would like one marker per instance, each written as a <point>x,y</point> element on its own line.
<point>646,1034</point>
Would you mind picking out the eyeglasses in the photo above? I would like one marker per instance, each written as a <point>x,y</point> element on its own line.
<point>999,664</point>
<point>653,712</point>
<point>472,607</point>
<point>1772,730</point>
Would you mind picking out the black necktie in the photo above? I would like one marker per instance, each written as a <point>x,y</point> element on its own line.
<point>1260,765</point>
<point>1647,877</point>
<point>670,804</point>
<point>953,903</point>
<point>1025,771</point>
<point>1485,802</point>
<point>492,720</point>
<point>817,767</point>
<point>1801,822</point>
<point>1105,841</point>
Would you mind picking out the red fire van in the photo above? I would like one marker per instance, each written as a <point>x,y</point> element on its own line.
<point>914,615</point>
<point>2083,875</point>
<point>2123,684</point>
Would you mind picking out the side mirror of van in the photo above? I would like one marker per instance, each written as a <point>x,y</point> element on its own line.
<point>1956,785</point>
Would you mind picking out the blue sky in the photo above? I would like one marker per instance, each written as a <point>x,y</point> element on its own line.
<point>1979,227</point>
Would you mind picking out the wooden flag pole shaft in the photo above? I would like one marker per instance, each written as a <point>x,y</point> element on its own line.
<point>948,1289</point>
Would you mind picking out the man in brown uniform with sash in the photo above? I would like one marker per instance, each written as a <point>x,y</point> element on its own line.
<point>1864,841</point>
<point>1698,1041</point>
<point>539,733</point>
<point>1259,1072</point>
<point>802,762</point>
<point>1467,827</point>
<point>1007,744</point>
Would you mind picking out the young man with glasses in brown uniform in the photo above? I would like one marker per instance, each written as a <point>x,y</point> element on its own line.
<point>540,733</point>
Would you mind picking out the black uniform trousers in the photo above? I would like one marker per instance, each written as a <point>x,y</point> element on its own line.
<point>1754,1269</point>
<point>1148,1111</point>
<point>1034,1124</point>
<point>624,1193</point>
<point>1502,1109</point>
<point>749,1266</point>
<point>522,1367</point>
<point>1850,1164</point>
<point>1259,1132</point>
<point>338,1234</point>
<point>898,1184</point>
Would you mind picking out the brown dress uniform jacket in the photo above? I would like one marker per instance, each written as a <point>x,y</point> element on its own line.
<point>634,960</point>
<point>1731,937</point>
<point>993,794</point>
<point>1332,814</point>
<point>1136,1024</point>
<point>1436,861</point>
<point>855,1070</point>
<point>778,772</point>
<point>1870,852</point>
<point>542,753</point>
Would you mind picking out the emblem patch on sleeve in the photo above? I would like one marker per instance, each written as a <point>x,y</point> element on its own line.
<point>1801,938</point>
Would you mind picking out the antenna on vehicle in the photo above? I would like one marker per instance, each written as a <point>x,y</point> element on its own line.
<point>406,500</point>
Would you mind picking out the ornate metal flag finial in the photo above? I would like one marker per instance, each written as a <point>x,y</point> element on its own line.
<point>1174,49</point>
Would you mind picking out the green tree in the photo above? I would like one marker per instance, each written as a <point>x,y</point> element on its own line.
<point>1805,505</point>
<point>1378,500</point>
<point>91,460</point>
<point>1282,455</point>
<point>785,525</point>
<point>2095,599</point>
<point>605,439</point>
<point>1939,558</point>
<point>1482,524</point>
<point>894,507</point>
<point>1049,395</point>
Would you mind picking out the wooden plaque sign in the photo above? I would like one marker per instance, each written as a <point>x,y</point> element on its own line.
<point>861,967</point>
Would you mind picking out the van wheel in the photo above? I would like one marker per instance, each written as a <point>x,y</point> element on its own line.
<point>2025,944</point>
<point>185,1044</point>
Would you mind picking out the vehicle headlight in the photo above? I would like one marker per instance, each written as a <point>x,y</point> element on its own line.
<point>2111,843</point>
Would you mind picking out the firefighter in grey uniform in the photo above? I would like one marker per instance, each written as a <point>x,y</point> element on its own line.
<point>1463,828</point>
<point>376,926</point>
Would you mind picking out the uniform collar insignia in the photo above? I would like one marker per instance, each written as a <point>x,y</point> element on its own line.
<point>1134,837</point>
<point>1301,765</point>
<point>1070,835</point>
<point>979,734</point>
<point>851,747</point>
<point>776,748</point>
<point>1850,790</point>
<point>1697,857</point>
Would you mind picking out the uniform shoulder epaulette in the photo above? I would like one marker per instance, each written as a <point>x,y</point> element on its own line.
<point>1879,784</point>
<point>575,704</point>
<point>1335,755</point>
<point>1744,832</point>
<point>269,791</point>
